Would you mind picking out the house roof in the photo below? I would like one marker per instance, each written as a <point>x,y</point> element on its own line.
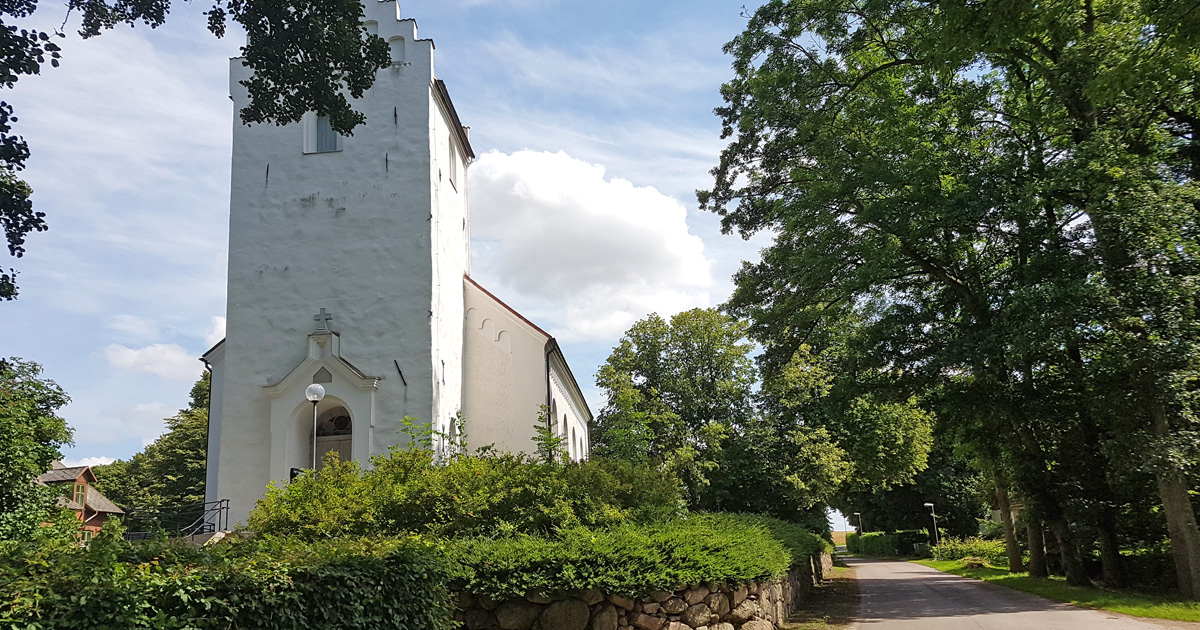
<point>97,502</point>
<point>507,307</point>
<point>94,499</point>
<point>70,473</point>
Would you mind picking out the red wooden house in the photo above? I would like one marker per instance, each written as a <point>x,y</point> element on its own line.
<point>74,483</point>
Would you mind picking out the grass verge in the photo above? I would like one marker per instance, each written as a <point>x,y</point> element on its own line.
<point>831,606</point>
<point>1125,602</point>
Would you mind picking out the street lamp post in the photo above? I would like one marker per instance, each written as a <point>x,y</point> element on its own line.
<point>937,544</point>
<point>860,529</point>
<point>314,394</point>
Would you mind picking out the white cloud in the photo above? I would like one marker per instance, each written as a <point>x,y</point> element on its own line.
<point>143,422</point>
<point>216,333</point>
<point>589,255</point>
<point>88,461</point>
<point>133,327</point>
<point>166,360</point>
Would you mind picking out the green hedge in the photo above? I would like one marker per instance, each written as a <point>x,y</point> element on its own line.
<point>632,559</point>
<point>259,585</point>
<point>470,495</point>
<point>884,544</point>
<point>958,548</point>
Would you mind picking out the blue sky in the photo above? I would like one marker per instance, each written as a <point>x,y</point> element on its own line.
<point>592,121</point>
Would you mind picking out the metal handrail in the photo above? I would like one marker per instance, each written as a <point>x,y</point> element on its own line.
<point>211,517</point>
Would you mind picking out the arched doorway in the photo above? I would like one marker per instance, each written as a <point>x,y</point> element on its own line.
<point>335,431</point>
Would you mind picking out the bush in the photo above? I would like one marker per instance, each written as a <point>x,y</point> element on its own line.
<point>494,494</point>
<point>632,559</point>
<point>260,584</point>
<point>885,545</point>
<point>958,548</point>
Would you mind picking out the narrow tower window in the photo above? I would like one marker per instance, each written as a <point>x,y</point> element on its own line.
<point>397,46</point>
<point>327,138</point>
<point>319,136</point>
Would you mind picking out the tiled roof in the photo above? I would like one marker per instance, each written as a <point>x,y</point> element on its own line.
<point>62,474</point>
<point>69,504</point>
<point>97,502</point>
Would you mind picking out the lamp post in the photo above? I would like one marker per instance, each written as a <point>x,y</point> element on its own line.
<point>314,394</point>
<point>860,529</point>
<point>936,542</point>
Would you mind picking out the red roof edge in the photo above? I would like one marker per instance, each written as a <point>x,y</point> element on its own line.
<point>506,306</point>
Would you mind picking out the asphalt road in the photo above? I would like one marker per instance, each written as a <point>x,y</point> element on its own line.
<point>908,596</point>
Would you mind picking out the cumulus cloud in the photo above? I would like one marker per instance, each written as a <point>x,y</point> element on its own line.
<point>142,421</point>
<point>216,333</point>
<point>166,360</point>
<point>587,254</point>
<point>88,461</point>
<point>133,327</point>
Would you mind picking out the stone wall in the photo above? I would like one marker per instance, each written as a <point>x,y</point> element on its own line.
<point>756,606</point>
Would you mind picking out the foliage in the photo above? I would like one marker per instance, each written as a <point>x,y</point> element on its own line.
<point>549,446</point>
<point>883,544</point>
<point>632,559</point>
<point>680,397</point>
<point>991,206</point>
<point>950,482</point>
<point>491,494</point>
<point>307,55</point>
<point>958,548</point>
<point>769,467</point>
<point>31,434</point>
<point>169,471</point>
<point>260,583</point>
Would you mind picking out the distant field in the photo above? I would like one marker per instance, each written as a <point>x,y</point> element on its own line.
<point>839,538</point>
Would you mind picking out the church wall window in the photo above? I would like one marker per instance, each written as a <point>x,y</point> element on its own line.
<point>396,44</point>
<point>319,136</point>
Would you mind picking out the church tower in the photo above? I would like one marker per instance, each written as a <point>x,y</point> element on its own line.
<point>346,263</point>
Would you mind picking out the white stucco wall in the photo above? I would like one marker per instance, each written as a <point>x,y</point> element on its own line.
<point>360,232</point>
<point>571,415</point>
<point>505,380</point>
<point>504,373</point>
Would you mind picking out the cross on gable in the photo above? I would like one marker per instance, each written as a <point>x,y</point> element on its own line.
<point>323,317</point>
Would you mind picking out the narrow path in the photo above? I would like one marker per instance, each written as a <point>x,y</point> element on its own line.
<point>908,596</point>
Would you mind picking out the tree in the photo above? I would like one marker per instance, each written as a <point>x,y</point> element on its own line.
<point>680,395</point>
<point>307,55</point>
<point>1003,194</point>
<point>31,434</point>
<point>171,470</point>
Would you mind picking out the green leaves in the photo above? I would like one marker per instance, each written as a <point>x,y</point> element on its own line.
<point>31,434</point>
<point>263,583</point>
<point>500,494</point>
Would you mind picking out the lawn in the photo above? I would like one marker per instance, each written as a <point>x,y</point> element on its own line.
<point>1126,602</point>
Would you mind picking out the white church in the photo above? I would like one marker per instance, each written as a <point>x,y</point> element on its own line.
<point>350,267</point>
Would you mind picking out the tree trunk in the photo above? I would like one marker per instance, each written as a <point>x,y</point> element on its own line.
<point>1110,550</point>
<point>1072,563</point>
<point>1037,549</point>
<point>1011,546</point>
<point>1181,518</point>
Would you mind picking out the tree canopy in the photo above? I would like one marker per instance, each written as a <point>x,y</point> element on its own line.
<point>31,434</point>
<point>1000,199</point>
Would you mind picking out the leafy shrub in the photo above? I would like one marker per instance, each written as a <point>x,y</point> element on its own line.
<point>958,548</point>
<point>884,544</point>
<point>260,584</point>
<point>492,494</point>
<point>632,559</point>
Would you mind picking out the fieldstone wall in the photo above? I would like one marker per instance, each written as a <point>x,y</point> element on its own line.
<point>756,606</point>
